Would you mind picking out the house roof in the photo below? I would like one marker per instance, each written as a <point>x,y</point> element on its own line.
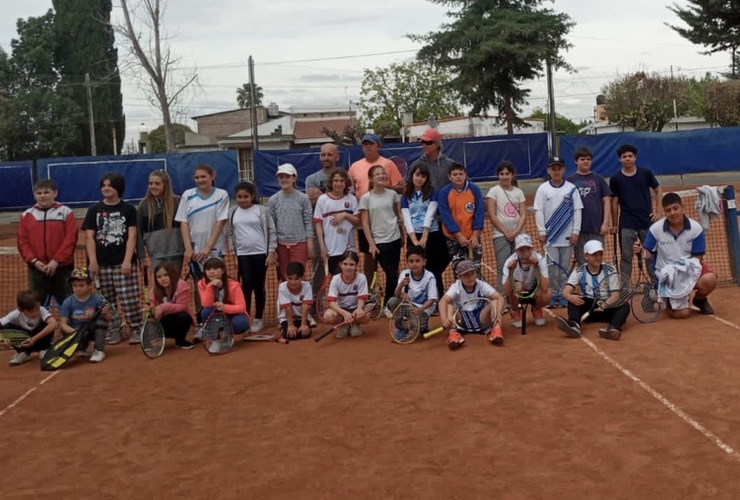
<point>310,129</point>
<point>268,128</point>
<point>231,111</point>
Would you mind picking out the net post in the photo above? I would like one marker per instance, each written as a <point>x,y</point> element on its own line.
<point>733,234</point>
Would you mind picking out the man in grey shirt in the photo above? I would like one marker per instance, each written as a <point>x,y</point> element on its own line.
<point>316,185</point>
<point>432,157</point>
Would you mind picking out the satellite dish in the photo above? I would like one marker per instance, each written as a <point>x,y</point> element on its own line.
<point>432,121</point>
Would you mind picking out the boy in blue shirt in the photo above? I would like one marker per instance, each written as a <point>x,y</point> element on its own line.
<point>77,311</point>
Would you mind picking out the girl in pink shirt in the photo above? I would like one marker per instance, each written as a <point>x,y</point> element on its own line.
<point>217,290</point>
<point>168,302</point>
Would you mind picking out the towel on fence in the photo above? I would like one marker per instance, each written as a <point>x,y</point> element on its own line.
<point>708,205</point>
<point>677,279</point>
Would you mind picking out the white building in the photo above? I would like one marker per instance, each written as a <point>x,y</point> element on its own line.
<point>474,126</point>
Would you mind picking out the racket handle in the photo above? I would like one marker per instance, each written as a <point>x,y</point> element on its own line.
<point>585,316</point>
<point>433,332</point>
<point>283,341</point>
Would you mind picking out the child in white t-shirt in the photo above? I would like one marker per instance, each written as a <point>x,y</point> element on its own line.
<point>346,298</point>
<point>506,209</point>
<point>422,290</point>
<point>35,320</point>
<point>294,301</point>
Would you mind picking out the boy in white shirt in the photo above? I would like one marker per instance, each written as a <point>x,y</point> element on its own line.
<point>422,289</point>
<point>294,300</point>
<point>558,207</point>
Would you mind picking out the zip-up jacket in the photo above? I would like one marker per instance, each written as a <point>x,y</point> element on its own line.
<point>47,235</point>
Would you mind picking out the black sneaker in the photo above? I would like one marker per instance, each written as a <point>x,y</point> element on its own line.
<point>184,345</point>
<point>703,305</point>
<point>569,327</point>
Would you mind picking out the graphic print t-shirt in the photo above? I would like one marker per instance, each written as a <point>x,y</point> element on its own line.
<point>110,223</point>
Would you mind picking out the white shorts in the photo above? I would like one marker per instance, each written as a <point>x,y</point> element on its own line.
<point>676,304</point>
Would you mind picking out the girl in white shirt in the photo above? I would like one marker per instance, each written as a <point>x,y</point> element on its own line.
<point>252,232</point>
<point>507,212</point>
<point>380,212</point>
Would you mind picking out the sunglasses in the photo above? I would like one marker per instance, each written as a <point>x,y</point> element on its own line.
<point>427,143</point>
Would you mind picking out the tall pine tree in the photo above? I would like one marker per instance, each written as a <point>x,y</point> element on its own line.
<point>86,45</point>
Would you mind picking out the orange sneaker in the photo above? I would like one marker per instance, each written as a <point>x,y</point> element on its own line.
<point>455,340</point>
<point>497,336</point>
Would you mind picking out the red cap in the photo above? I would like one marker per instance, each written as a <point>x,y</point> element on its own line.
<point>431,135</point>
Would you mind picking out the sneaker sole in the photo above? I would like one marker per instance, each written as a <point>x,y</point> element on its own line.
<point>610,335</point>
<point>497,341</point>
<point>562,325</point>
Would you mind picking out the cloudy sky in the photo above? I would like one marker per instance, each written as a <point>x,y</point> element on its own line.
<point>312,53</point>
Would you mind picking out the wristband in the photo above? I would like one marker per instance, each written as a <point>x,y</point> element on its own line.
<point>34,261</point>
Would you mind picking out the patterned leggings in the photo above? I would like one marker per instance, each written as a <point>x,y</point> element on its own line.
<point>123,290</point>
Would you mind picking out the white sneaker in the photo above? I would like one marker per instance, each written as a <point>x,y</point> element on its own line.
<point>257,326</point>
<point>355,330</point>
<point>311,322</point>
<point>19,359</point>
<point>97,356</point>
<point>83,353</point>
<point>134,339</point>
<point>387,312</point>
<point>42,354</point>
<point>342,332</point>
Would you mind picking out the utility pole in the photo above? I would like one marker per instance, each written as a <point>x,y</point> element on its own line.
<point>115,141</point>
<point>552,124</point>
<point>253,108</point>
<point>93,148</point>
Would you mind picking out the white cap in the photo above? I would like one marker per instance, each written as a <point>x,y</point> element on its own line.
<point>287,168</point>
<point>522,240</point>
<point>593,246</point>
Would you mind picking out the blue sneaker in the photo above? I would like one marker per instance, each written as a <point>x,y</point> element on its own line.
<point>400,335</point>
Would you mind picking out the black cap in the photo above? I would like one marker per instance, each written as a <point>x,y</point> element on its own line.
<point>555,160</point>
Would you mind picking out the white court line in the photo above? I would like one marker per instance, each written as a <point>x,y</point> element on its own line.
<point>25,395</point>
<point>666,402</point>
<point>728,323</point>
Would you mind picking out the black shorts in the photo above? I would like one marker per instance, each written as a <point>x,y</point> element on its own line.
<point>362,242</point>
<point>297,324</point>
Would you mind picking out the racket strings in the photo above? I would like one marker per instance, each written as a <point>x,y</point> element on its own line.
<point>218,334</point>
<point>405,322</point>
<point>152,337</point>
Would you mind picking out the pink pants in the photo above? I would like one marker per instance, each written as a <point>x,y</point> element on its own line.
<point>291,252</point>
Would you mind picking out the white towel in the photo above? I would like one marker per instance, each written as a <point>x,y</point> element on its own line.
<point>677,279</point>
<point>708,205</point>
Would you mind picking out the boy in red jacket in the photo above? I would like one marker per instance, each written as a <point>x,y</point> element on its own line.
<point>47,239</point>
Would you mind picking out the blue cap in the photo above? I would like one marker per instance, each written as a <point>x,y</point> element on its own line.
<point>371,138</point>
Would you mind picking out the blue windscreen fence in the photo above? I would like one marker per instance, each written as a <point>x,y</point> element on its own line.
<point>480,155</point>
<point>78,179</point>
<point>16,185</point>
<point>665,153</point>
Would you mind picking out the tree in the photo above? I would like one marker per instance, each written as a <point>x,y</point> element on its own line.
<point>712,23</point>
<point>85,44</point>
<point>147,43</point>
<point>492,46</point>
<point>722,103</point>
<point>244,95</point>
<point>351,134</point>
<point>158,142</point>
<point>414,87</point>
<point>645,101</point>
<point>562,124</point>
<point>36,120</point>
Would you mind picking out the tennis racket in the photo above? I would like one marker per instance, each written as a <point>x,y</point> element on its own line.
<point>615,259</point>
<point>645,302</point>
<point>524,282</point>
<point>401,165</point>
<point>404,325</point>
<point>13,338</point>
<point>377,297</point>
<point>113,335</point>
<point>266,337</point>
<point>476,315</point>
<point>369,307</point>
<point>218,333</point>
<point>323,292</point>
<point>558,278</point>
<point>480,265</point>
<point>152,333</point>
<point>59,353</point>
<point>610,292</point>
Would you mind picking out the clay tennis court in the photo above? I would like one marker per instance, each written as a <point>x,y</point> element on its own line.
<point>651,416</point>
